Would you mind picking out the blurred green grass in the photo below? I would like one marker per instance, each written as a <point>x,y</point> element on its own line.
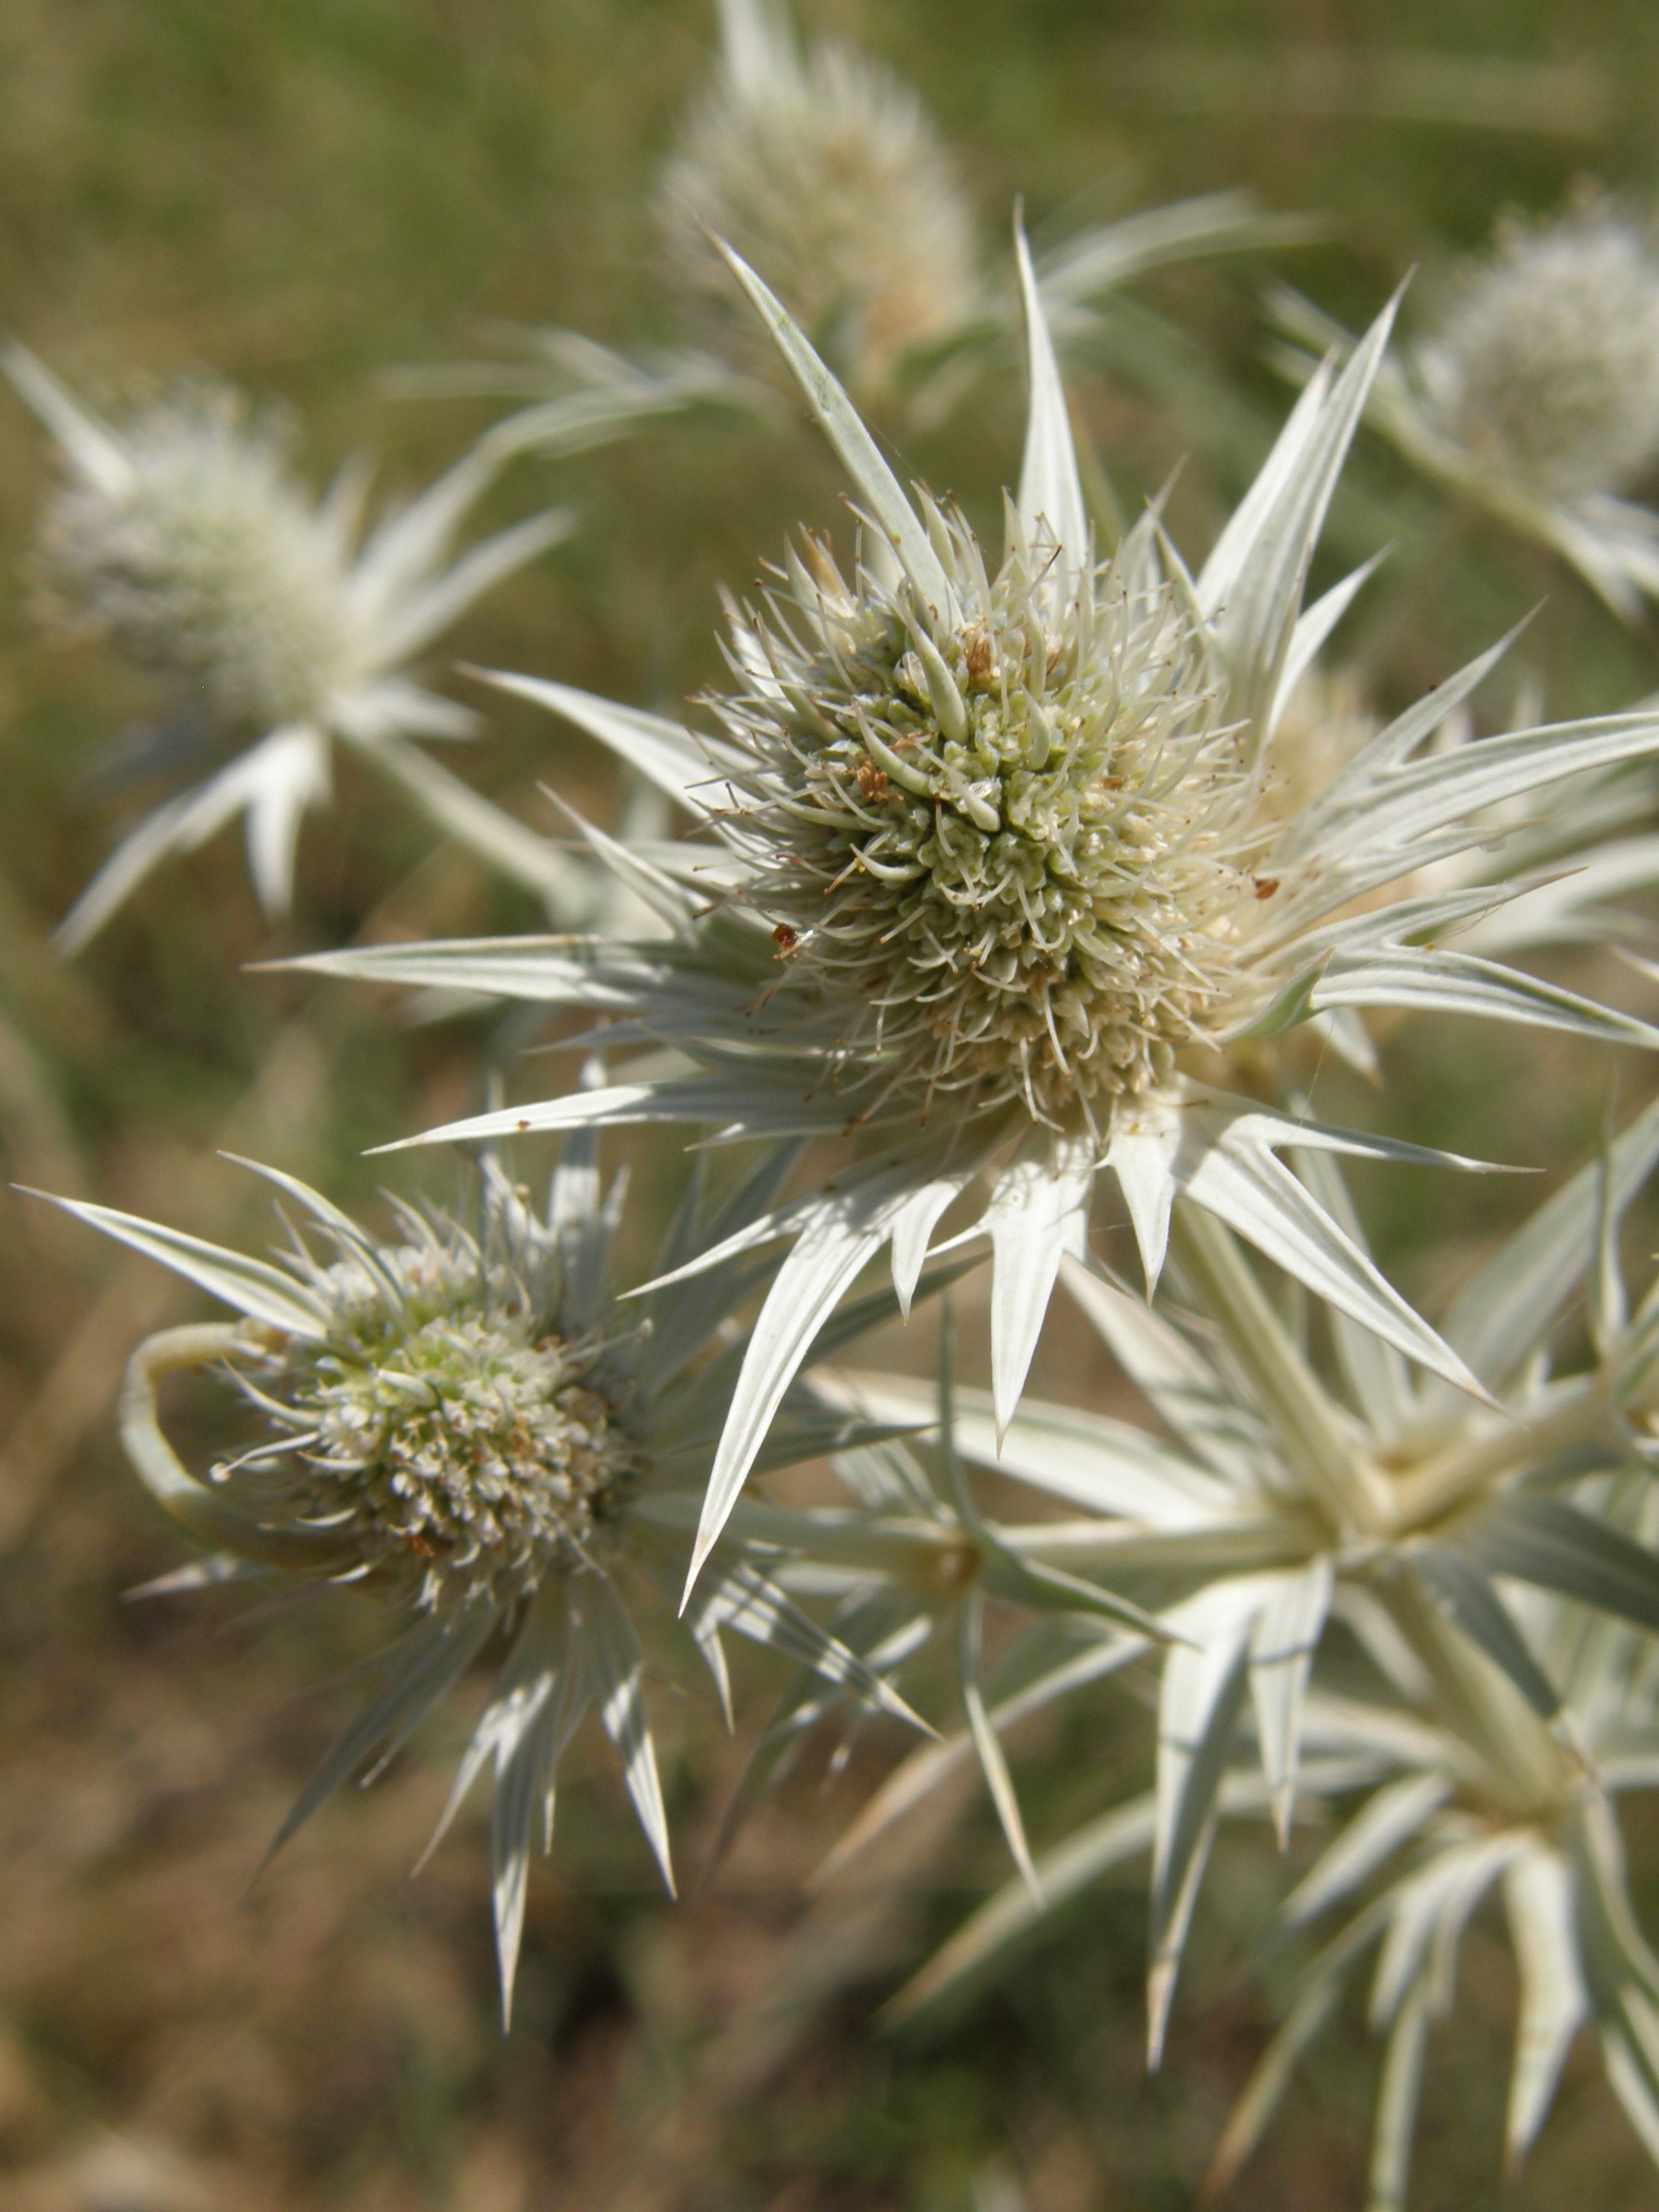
<point>305,195</point>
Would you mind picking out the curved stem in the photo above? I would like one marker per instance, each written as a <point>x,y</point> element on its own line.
<point>179,1351</point>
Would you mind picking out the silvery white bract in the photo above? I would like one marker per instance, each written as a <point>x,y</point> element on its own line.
<point>1536,395</point>
<point>1274,1499</point>
<point>1001,886</point>
<point>1529,1817</point>
<point>584,395</point>
<point>912,1564</point>
<point>1556,871</point>
<point>463,1422</point>
<point>180,536</point>
<point>1443,1828</point>
<point>1445,1824</point>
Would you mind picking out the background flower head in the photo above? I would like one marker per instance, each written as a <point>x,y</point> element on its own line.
<point>823,168</point>
<point>1546,361</point>
<point>180,535</point>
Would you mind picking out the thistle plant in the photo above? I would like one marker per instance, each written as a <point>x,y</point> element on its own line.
<point>1494,1564</point>
<point>180,538</point>
<point>1004,892</point>
<point>1536,395</point>
<point>463,1422</point>
<point>1030,891</point>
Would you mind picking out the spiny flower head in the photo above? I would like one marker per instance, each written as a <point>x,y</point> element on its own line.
<point>826,173</point>
<point>205,559</point>
<point>1012,852</point>
<point>1547,366</point>
<point>443,1428</point>
<point>461,1419</point>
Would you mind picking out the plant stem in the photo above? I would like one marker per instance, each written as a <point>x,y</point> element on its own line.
<point>1430,1492</point>
<point>1529,1770</point>
<point>1341,1480</point>
<point>206,1514</point>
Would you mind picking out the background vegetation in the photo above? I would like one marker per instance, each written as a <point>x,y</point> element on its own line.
<point>309,195</point>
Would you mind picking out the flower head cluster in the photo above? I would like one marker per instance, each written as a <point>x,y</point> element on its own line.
<point>1012,855</point>
<point>824,170</point>
<point>1546,364</point>
<point>1008,860</point>
<point>443,1430</point>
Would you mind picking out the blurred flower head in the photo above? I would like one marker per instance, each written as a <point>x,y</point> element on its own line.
<point>1547,363</point>
<point>825,173</point>
<point>1326,720</point>
<point>1536,395</point>
<point>204,558</point>
<point>181,537</point>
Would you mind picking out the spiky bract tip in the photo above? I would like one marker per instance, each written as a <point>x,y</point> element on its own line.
<point>834,185</point>
<point>1011,856</point>
<point>456,1444</point>
<point>1548,364</point>
<point>208,560</point>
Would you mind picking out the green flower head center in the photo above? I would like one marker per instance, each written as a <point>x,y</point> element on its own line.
<point>1008,857</point>
<point>460,1447</point>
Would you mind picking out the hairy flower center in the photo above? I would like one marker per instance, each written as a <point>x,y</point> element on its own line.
<point>1010,860</point>
<point>459,1449</point>
<point>209,564</point>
